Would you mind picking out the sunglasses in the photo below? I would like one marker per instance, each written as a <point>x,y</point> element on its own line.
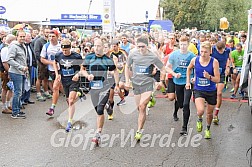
<point>140,46</point>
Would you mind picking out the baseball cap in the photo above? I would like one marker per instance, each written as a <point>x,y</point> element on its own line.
<point>54,32</point>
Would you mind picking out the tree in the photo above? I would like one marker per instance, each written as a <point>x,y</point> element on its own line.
<point>206,14</point>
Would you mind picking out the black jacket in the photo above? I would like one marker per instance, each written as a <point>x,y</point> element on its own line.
<point>38,45</point>
<point>34,61</point>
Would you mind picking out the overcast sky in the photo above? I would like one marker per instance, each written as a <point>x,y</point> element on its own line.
<point>126,11</point>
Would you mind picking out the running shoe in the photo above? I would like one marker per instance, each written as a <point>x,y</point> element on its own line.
<point>207,134</point>
<point>216,120</point>
<point>126,93</point>
<point>68,127</point>
<point>50,112</point>
<point>40,98</point>
<point>199,126</point>
<point>110,117</point>
<point>175,117</point>
<point>232,90</point>
<point>152,101</point>
<point>163,90</point>
<point>122,102</point>
<point>48,96</point>
<point>138,136</point>
<point>183,132</point>
<point>233,96</point>
<point>97,139</point>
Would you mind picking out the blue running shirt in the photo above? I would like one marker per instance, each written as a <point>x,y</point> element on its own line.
<point>179,64</point>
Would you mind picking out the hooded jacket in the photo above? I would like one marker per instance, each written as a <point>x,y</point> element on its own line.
<point>17,58</point>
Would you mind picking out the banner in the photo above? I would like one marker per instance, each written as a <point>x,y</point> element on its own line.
<point>108,18</point>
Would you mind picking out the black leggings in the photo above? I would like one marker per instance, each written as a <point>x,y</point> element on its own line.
<point>183,98</point>
<point>99,99</point>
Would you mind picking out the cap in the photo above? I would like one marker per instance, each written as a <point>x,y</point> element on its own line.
<point>54,32</point>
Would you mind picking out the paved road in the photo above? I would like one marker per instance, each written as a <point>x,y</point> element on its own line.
<point>41,141</point>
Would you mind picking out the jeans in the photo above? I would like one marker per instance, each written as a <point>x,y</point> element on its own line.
<point>18,82</point>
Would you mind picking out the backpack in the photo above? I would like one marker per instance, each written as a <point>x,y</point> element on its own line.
<point>46,46</point>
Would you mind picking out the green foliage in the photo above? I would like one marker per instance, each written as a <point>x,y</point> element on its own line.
<point>206,14</point>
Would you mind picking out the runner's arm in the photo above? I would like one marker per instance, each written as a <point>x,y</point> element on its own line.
<point>126,74</point>
<point>116,76</point>
<point>228,64</point>
<point>232,60</point>
<point>168,69</point>
<point>216,77</point>
<point>189,70</point>
<point>45,61</point>
<point>55,67</point>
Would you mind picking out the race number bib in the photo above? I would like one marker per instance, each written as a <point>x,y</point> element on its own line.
<point>203,82</point>
<point>96,84</point>
<point>68,72</point>
<point>183,63</point>
<point>142,70</point>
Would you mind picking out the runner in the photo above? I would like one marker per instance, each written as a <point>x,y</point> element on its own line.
<point>222,54</point>
<point>126,45</point>
<point>178,63</point>
<point>69,65</point>
<point>142,62</point>
<point>237,60</point>
<point>97,64</point>
<point>206,75</point>
<point>119,57</point>
<point>170,91</point>
<point>47,57</point>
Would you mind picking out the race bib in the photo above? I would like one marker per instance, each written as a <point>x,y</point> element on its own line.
<point>68,72</point>
<point>183,63</point>
<point>203,82</point>
<point>142,70</point>
<point>96,84</point>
